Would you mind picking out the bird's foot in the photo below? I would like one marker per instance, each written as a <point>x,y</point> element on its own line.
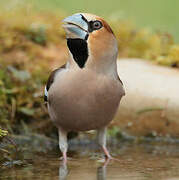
<point>108,157</point>
<point>65,159</point>
<point>106,152</point>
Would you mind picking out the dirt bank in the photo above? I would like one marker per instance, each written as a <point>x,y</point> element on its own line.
<point>151,104</point>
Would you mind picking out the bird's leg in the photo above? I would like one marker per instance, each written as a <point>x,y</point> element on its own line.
<point>102,141</point>
<point>63,144</point>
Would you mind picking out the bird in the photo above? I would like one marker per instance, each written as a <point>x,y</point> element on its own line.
<point>85,93</point>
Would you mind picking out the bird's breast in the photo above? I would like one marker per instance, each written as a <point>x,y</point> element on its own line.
<point>84,100</point>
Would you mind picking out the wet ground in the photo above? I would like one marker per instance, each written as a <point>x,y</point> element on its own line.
<point>135,162</point>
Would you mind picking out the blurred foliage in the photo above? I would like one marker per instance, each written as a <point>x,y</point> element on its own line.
<point>143,43</point>
<point>29,44</point>
<point>3,133</point>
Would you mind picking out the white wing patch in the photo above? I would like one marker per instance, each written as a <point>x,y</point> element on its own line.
<point>46,93</point>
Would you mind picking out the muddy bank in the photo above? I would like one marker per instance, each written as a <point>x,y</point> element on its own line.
<point>151,104</point>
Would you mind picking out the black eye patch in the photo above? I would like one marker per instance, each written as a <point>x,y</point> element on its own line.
<point>94,25</point>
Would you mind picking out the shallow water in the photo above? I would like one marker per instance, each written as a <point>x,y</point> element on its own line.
<point>135,162</point>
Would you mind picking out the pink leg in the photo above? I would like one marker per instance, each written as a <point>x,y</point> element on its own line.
<point>102,141</point>
<point>63,145</point>
<point>64,157</point>
<point>106,152</point>
<point>108,156</point>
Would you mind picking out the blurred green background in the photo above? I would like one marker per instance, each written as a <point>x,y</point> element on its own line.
<point>159,15</point>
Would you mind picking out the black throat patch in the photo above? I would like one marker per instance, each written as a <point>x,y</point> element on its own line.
<point>79,50</point>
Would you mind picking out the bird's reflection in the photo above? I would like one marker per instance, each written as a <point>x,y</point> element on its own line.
<point>63,171</point>
<point>100,174</point>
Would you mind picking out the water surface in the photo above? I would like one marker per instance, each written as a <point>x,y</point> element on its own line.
<point>135,162</point>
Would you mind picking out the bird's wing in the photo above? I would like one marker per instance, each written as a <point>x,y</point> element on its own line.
<point>51,80</point>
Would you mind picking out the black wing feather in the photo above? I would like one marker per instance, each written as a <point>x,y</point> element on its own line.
<point>51,79</point>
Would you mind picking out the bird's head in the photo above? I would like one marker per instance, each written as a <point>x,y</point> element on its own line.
<point>90,40</point>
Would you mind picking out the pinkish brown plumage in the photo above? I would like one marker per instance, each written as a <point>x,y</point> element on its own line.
<point>86,93</point>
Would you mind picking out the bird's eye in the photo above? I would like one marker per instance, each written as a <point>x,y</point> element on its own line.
<point>97,25</point>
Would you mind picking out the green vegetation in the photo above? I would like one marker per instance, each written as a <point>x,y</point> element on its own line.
<point>24,59</point>
<point>3,133</point>
<point>160,15</point>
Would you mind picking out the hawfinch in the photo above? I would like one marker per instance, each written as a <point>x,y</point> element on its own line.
<point>84,94</point>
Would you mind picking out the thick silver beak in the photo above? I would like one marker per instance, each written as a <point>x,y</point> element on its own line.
<point>75,26</point>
